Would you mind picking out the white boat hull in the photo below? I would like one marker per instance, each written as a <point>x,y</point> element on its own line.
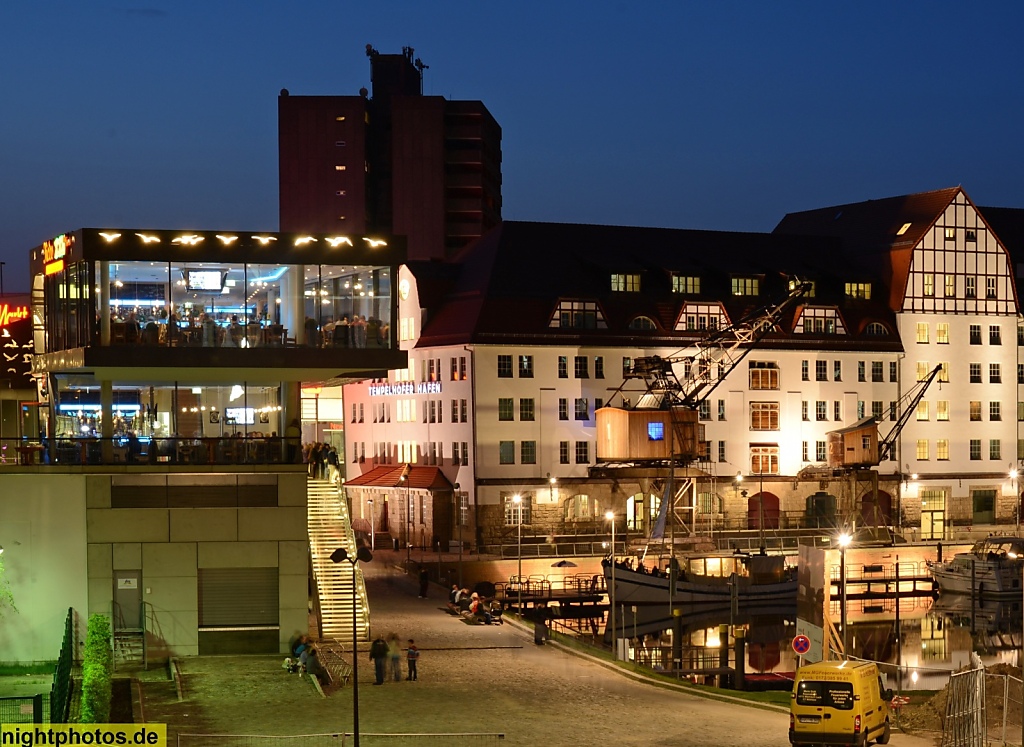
<point>633,587</point>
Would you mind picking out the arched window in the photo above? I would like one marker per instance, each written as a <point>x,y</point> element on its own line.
<point>876,329</point>
<point>580,507</point>
<point>643,323</point>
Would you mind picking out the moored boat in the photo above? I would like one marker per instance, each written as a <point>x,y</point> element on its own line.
<point>991,569</point>
<point>707,578</point>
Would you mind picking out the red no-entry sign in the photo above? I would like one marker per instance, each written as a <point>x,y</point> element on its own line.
<point>801,644</point>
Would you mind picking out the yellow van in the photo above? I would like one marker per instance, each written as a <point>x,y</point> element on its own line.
<point>839,702</point>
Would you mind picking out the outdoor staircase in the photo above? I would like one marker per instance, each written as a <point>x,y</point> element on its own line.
<point>330,528</point>
<point>128,648</point>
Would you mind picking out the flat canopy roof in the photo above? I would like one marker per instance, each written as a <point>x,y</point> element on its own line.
<point>264,247</point>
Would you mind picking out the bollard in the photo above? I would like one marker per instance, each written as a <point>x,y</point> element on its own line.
<point>677,641</point>
<point>741,657</point>
<point>723,655</point>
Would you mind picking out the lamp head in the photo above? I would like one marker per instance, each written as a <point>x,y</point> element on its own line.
<point>552,480</point>
<point>517,499</point>
<point>1013,474</point>
<point>845,539</point>
<point>609,515</point>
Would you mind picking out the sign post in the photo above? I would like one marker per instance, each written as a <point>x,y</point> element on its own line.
<point>801,645</point>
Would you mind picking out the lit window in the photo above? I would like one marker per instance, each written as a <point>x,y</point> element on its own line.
<point>950,234</point>
<point>685,284</point>
<point>764,416</point>
<point>746,286</point>
<point>903,229</point>
<point>655,431</point>
<point>950,286</point>
<point>340,168</point>
<point>942,450</point>
<point>922,332</point>
<point>942,409</point>
<point>929,284</point>
<point>626,283</point>
<point>858,290</point>
<point>922,449</point>
<point>764,375</point>
<point>922,410</point>
<point>942,333</point>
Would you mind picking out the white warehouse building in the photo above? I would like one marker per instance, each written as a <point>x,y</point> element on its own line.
<point>515,343</point>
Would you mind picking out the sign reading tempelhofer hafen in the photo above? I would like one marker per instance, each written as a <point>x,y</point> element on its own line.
<point>811,601</point>
<point>405,388</point>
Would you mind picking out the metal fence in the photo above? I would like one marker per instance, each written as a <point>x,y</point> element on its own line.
<point>966,724</point>
<point>27,709</point>
<point>60,690</point>
<point>340,740</point>
<point>1003,708</point>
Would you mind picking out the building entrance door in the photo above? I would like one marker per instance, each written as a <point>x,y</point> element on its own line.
<point>933,524</point>
<point>127,600</point>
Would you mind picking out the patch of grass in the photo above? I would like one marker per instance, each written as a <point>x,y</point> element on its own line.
<point>8,670</point>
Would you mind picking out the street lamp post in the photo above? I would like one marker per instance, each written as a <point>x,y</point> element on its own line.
<point>458,522</point>
<point>518,501</point>
<point>844,541</point>
<point>338,556</point>
<point>1016,497</point>
<point>373,545</point>
<point>610,516</point>
<point>404,478</point>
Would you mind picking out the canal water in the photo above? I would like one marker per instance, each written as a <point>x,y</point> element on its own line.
<point>933,636</point>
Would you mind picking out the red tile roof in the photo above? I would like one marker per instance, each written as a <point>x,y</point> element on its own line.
<point>505,287</point>
<point>420,478</point>
<point>868,231</point>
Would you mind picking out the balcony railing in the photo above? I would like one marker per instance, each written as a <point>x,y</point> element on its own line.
<point>373,334</point>
<point>234,450</point>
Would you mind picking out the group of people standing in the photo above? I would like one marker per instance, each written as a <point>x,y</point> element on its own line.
<point>389,652</point>
<point>322,460</point>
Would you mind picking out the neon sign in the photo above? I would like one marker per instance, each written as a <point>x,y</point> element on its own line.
<point>55,251</point>
<point>9,314</point>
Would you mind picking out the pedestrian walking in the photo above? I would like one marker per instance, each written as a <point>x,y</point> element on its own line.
<point>424,582</point>
<point>379,657</point>
<point>395,654</point>
<point>412,655</point>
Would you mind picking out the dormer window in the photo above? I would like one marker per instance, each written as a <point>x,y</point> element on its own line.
<point>746,286</point>
<point>689,284</point>
<point>643,323</point>
<point>876,329</point>
<point>625,283</point>
<point>578,315</point>
<point>858,290</point>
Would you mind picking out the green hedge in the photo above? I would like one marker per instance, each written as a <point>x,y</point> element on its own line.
<point>97,672</point>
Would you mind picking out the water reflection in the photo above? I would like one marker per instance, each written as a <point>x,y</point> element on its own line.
<point>934,638</point>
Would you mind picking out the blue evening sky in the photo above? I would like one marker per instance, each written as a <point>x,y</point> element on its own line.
<point>721,115</point>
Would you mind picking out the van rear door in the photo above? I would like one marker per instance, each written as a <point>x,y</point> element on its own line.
<point>823,707</point>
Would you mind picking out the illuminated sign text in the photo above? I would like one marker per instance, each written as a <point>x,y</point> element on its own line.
<point>405,388</point>
<point>9,314</point>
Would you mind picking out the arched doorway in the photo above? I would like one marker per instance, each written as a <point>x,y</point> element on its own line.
<point>876,509</point>
<point>769,511</point>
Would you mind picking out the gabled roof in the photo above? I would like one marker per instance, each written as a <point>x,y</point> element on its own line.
<point>510,282</point>
<point>1008,224</point>
<point>420,478</point>
<point>869,232</point>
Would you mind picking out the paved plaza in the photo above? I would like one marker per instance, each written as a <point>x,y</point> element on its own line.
<point>471,679</point>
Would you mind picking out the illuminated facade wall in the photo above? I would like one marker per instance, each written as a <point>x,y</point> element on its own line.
<point>531,420</point>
